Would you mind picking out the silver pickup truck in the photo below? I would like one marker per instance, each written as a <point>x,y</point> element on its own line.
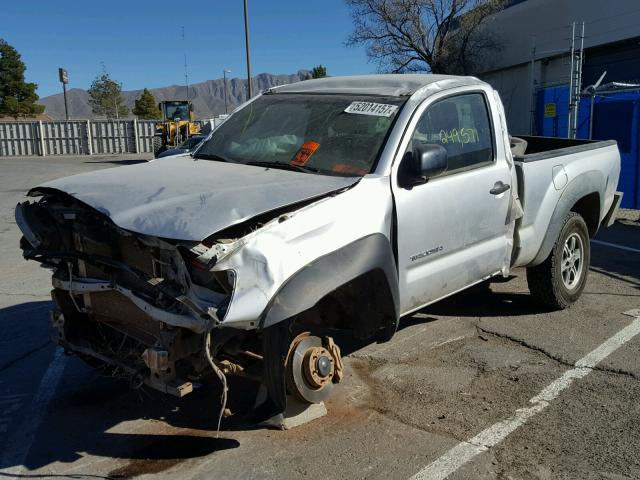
<point>330,204</point>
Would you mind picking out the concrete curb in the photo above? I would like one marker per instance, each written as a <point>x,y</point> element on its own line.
<point>628,214</point>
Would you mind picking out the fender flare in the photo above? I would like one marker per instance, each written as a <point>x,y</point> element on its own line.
<point>584,184</point>
<point>327,273</point>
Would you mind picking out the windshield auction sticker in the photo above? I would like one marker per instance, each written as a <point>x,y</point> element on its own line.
<point>371,108</point>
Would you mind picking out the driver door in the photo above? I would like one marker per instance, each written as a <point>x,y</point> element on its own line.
<point>453,229</point>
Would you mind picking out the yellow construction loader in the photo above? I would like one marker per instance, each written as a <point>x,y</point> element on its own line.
<point>178,124</point>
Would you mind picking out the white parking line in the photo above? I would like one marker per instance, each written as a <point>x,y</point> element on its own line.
<point>466,451</point>
<point>19,444</point>
<point>614,245</point>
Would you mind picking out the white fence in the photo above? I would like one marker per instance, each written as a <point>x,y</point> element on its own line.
<point>76,137</point>
<point>82,137</point>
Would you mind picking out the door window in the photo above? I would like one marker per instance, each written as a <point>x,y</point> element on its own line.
<point>461,125</point>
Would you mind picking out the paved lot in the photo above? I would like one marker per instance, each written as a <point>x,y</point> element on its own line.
<point>489,375</point>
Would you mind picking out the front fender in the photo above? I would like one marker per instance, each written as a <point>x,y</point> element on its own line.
<point>327,273</point>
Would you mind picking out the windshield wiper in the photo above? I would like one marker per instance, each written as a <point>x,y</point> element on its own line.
<point>212,156</point>
<point>284,166</point>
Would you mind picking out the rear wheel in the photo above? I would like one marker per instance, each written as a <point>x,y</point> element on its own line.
<point>158,146</point>
<point>560,279</point>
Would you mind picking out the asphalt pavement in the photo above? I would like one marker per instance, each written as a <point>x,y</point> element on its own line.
<point>485,384</point>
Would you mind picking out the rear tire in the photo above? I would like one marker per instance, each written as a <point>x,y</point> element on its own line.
<point>158,147</point>
<point>559,281</point>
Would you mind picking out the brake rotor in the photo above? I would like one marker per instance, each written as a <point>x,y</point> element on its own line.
<point>313,367</point>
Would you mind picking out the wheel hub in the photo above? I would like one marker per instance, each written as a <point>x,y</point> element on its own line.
<point>572,261</point>
<point>317,366</point>
<point>313,366</point>
<point>323,366</point>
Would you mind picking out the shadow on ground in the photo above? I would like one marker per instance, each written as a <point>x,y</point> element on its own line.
<point>87,409</point>
<point>85,415</point>
<point>614,263</point>
<point>482,301</point>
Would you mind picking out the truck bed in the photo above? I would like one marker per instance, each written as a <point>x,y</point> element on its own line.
<point>540,148</point>
<point>555,169</point>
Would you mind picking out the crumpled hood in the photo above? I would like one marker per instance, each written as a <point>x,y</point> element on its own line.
<point>186,199</point>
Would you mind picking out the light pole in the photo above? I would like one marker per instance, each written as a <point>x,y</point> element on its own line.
<point>246,41</point>
<point>115,103</point>
<point>224,75</point>
<point>64,79</point>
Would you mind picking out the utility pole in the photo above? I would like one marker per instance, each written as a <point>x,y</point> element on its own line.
<point>64,79</point>
<point>573,64</point>
<point>186,73</point>
<point>575,81</point>
<point>578,87</point>
<point>224,75</point>
<point>593,89</point>
<point>532,88</point>
<point>246,41</point>
<point>115,102</point>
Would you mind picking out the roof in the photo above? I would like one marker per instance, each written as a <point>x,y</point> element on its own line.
<point>395,85</point>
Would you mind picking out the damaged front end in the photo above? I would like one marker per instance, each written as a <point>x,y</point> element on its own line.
<point>140,305</point>
<point>254,294</point>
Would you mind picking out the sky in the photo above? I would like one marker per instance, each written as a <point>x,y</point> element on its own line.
<point>141,45</point>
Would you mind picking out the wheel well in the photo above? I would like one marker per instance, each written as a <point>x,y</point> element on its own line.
<point>588,207</point>
<point>364,305</point>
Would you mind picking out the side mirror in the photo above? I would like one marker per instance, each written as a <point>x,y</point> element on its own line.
<point>427,160</point>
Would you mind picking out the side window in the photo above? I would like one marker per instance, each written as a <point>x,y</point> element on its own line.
<point>461,125</point>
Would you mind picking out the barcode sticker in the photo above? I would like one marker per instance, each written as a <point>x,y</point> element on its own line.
<point>371,108</point>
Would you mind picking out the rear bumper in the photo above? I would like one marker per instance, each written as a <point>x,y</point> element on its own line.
<point>610,217</point>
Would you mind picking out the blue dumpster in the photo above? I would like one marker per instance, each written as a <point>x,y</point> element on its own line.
<point>616,116</point>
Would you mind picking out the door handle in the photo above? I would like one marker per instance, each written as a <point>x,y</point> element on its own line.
<point>499,188</point>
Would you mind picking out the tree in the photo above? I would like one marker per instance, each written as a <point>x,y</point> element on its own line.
<point>146,107</point>
<point>17,97</point>
<point>440,36</point>
<point>319,71</point>
<point>105,97</point>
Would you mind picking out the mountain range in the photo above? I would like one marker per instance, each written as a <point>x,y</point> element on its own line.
<point>207,97</point>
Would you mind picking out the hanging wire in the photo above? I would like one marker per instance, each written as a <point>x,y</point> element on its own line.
<point>220,375</point>
<point>73,299</point>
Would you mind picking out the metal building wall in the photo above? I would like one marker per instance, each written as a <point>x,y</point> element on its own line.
<point>537,33</point>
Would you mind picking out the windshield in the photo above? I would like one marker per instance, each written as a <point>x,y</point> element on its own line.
<point>327,134</point>
<point>191,143</point>
<point>178,110</point>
